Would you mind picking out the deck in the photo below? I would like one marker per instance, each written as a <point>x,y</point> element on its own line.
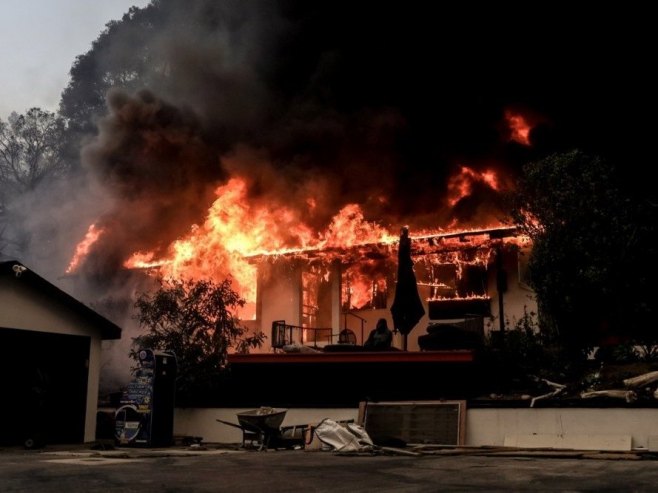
<point>343,379</point>
<point>392,357</point>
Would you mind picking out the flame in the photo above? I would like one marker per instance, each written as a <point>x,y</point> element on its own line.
<point>235,231</point>
<point>232,231</point>
<point>360,289</point>
<point>532,225</point>
<point>442,263</point>
<point>357,292</point>
<point>236,234</point>
<point>82,248</point>
<point>461,184</point>
<point>519,127</point>
<point>471,296</point>
<point>349,227</point>
<point>142,260</point>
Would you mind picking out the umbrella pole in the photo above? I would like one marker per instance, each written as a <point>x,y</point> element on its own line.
<point>404,342</point>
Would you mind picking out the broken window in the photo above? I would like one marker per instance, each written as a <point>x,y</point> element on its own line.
<point>452,275</point>
<point>364,286</point>
<point>316,298</point>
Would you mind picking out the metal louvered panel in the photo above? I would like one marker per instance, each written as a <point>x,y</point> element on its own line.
<point>416,422</point>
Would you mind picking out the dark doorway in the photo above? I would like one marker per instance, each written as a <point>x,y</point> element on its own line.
<point>43,383</point>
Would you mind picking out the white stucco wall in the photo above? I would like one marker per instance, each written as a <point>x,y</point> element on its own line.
<point>27,309</point>
<point>491,426</point>
<point>279,293</point>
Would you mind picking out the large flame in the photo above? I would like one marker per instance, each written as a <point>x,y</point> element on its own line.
<point>235,232</point>
<point>232,231</point>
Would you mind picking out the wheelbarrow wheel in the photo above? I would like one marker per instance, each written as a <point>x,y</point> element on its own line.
<point>32,442</point>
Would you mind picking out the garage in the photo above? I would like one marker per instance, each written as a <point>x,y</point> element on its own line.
<point>50,346</point>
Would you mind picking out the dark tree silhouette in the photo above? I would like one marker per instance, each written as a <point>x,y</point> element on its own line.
<point>593,260</point>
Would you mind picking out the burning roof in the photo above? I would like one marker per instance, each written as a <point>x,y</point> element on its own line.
<point>241,229</point>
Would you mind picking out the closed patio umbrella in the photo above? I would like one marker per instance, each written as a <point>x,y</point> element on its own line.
<point>407,308</point>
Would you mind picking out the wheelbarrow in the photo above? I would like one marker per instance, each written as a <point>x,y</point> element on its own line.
<point>262,425</point>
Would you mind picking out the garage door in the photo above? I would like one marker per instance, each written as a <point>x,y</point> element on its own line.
<point>43,387</point>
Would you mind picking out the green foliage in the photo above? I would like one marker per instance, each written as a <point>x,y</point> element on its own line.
<point>194,320</point>
<point>591,243</point>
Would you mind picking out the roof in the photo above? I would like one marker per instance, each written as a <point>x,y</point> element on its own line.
<point>13,268</point>
<point>422,244</point>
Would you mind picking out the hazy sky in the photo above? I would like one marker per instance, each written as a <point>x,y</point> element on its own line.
<point>39,40</point>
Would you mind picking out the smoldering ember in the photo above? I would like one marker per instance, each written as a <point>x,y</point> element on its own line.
<point>219,215</point>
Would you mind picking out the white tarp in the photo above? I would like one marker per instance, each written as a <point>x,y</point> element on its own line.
<point>343,438</point>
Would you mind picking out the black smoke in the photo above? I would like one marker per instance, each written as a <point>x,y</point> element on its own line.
<point>377,103</point>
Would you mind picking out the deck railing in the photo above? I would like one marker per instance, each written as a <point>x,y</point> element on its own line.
<point>284,334</point>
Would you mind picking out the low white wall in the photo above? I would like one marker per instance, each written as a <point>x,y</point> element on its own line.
<point>202,422</point>
<point>491,426</point>
<point>484,427</point>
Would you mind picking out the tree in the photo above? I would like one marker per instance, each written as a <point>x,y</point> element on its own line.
<point>31,151</point>
<point>195,320</point>
<point>593,250</point>
<point>119,57</point>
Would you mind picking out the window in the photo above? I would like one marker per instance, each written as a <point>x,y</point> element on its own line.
<point>364,286</point>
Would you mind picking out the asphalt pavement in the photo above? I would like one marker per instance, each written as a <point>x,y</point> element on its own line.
<point>231,469</point>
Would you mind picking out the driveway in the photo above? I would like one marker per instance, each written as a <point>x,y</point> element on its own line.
<point>219,470</point>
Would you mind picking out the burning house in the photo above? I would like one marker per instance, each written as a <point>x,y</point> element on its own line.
<point>319,298</point>
<point>310,248</point>
<point>320,279</point>
<point>321,305</point>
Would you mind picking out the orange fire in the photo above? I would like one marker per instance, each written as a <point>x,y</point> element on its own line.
<point>461,184</point>
<point>349,228</point>
<point>471,296</point>
<point>357,292</point>
<point>519,127</point>
<point>362,288</point>
<point>443,259</point>
<point>82,248</point>
<point>234,231</point>
<point>236,234</point>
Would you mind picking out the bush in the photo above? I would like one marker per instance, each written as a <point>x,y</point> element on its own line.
<point>195,321</point>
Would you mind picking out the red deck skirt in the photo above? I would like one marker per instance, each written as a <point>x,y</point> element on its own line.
<point>459,356</point>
